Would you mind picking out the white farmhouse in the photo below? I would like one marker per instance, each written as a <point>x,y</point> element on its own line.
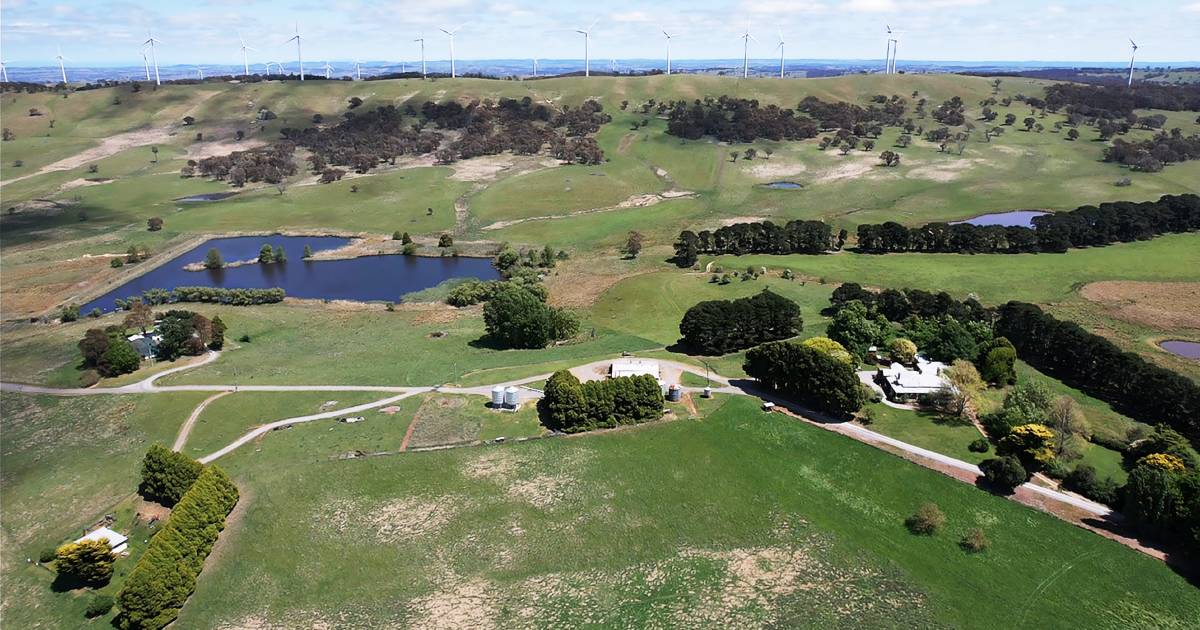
<point>902,384</point>
<point>118,542</point>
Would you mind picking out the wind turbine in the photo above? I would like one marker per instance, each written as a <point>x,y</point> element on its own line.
<point>668,36</point>
<point>4,71</point>
<point>328,69</point>
<point>422,40</point>
<point>1132,54</point>
<point>201,71</point>
<point>61,67</point>
<point>146,62</point>
<point>781,54</point>
<point>450,33</point>
<point>587,38</point>
<point>746,37</point>
<point>894,44</point>
<point>535,60</point>
<point>245,62</point>
<point>299,59</point>
<point>150,41</point>
<point>358,70</point>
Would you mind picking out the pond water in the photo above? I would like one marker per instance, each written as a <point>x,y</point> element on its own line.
<point>1185,349</point>
<point>217,196</point>
<point>382,278</point>
<point>784,185</point>
<point>1015,218</point>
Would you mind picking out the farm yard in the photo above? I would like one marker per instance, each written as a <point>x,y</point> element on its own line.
<point>434,510</point>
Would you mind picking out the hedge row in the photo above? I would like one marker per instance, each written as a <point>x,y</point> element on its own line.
<point>167,475</point>
<point>165,576</point>
<point>215,295</point>
<point>1086,226</point>
<point>808,375</point>
<point>795,237</point>
<point>722,326</point>
<point>1066,351</point>
<point>571,406</point>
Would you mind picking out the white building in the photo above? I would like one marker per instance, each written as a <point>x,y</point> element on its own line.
<point>634,367</point>
<point>902,384</point>
<point>118,542</point>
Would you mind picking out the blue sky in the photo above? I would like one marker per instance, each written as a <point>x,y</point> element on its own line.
<point>206,31</point>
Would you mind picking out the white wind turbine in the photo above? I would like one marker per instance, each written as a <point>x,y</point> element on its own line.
<point>781,54</point>
<point>746,37</point>
<point>1132,54</point>
<point>328,69</point>
<point>587,38</point>
<point>357,70</point>
<point>535,60</point>
<point>450,34</point>
<point>422,40</point>
<point>4,71</point>
<point>245,61</point>
<point>895,44</point>
<point>146,62</point>
<point>201,71</point>
<point>299,58</point>
<point>668,36</point>
<point>150,41</point>
<point>887,58</point>
<point>61,67</point>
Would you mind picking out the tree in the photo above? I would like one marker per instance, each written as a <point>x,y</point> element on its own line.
<point>1029,123</point>
<point>1071,428</point>
<point>213,259</point>
<point>720,326</point>
<point>188,120</point>
<point>733,156</point>
<point>266,254</point>
<point>997,362</point>
<point>563,406</point>
<point>218,334</point>
<point>926,521</point>
<point>154,224</point>
<point>829,347</point>
<point>154,150</point>
<point>140,316</point>
<point>167,475</point>
<point>445,240</point>
<point>1004,473</point>
<point>808,375</point>
<point>964,388</point>
<point>280,255</point>
<point>903,350</point>
<point>890,158</point>
<point>974,541</point>
<point>93,346</point>
<point>88,561</point>
<point>633,245</point>
<point>308,252</point>
<point>1033,444</point>
<point>405,239</point>
<point>516,317</point>
<point>751,153</point>
<point>98,605</point>
<point>854,329</point>
<point>119,358</point>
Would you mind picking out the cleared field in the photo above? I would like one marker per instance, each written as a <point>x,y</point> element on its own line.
<point>928,430</point>
<point>741,519</point>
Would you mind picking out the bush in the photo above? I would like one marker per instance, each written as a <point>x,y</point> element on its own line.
<point>980,445</point>
<point>99,605</point>
<point>89,562</point>
<point>975,541</point>
<point>517,317</point>
<point>116,263</point>
<point>166,574</point>
<point>926,521</point>
<point>47,555</point>
<point>1083,480</point>
<point>167,475</point>
<point>1004,473</point>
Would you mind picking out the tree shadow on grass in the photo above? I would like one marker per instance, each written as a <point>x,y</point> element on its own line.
<point>65,583</point>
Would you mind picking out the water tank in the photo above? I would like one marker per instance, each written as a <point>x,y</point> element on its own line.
<point>674,393</point>
<point>498,396</point>
<point>707,392</point>
<point>510,397</point>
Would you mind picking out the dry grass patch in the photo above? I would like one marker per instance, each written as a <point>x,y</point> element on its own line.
<point>393,521</point>
<point>1159,305</point>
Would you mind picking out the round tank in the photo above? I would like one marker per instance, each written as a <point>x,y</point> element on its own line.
<point>674,393</point>
<point>510,397</point>
<point>498,396</point>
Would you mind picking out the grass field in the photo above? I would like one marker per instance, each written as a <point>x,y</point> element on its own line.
<point>740,519</point>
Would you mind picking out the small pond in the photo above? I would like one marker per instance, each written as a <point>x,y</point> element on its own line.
<point>784,185</point>
<point>1185,349</point>
<point>1015,218</point>
<point>369,278</point>
<point>217,196</point>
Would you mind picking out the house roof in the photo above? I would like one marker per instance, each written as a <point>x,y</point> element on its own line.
<point>925,379</point>
<point>115,540</point>
<point>634,367</point>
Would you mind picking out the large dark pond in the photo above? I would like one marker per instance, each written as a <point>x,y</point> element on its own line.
<point>1185,349</point>
<point>1015,218</point>
<point>383,278</point>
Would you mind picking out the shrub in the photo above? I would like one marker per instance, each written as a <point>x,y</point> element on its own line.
<point>926,521</point>
<point>1083,480</point>
<point>98,605</point>
<point>167,475</point>
<point>1004,473</point>
<point>1163,461</point>
<point>88,561</point>
<point>244,339</point>
<point>980,445</point>
<point>116,263</point>
<point>69,313</point>
<point>445,240</point>
<point>47,555</point>
<point>975,541</point>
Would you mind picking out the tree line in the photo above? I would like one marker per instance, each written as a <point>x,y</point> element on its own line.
<point>731,119</point>
<point>1086,226</point>
<point>806,374</point>
<point>214,295</point>
<point>165,576</point>
<point>1153,154</point>
<point>1117,101</point>
<point>795,237</point>
<point>721,326</point>
<point>571,407</point>
<point>271,164</point>
<point>1136,388</point>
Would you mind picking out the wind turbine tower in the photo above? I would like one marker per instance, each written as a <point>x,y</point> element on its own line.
<point>450,33</point>
<point>328,69</point>
<point>146,63</point>
<point>535,60</point>
<point>746,37</point>
<point>358,70</point>
<point>780,54</point>
<point>1132,54</point>
<point>245,61</point>
<point>422,40</point>
<point>587,39</point>
<point>4,71</point>
<point>61,67</point>
<point>150,41</point>
<point>668,36</point>
<point>299,58</point>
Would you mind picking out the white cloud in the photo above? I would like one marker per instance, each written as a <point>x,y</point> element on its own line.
<point>783,7</point>
<point>872,6</point>
<point>637,17</point>
<point>1192,8</point>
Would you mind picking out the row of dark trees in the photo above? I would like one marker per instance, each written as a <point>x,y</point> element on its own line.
<point>1086,226</point>
<point>214,295</point>
<point>722,326</point>
<point>883,111</point>
<point>1093,364</point>
<point>1117,101</point>
<point>571,407</point>
<point>165,576</point>
<point>731,119</point>
<point>271,164</point>
<point>813,377</point>
<point>898,304</point>
<point>1154,154</point>
<point>167,475</point>
<point>794,237</point>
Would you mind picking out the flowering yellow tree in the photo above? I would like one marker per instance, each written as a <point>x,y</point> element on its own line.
<point>1163,461</point>
<point>1033,444</point>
